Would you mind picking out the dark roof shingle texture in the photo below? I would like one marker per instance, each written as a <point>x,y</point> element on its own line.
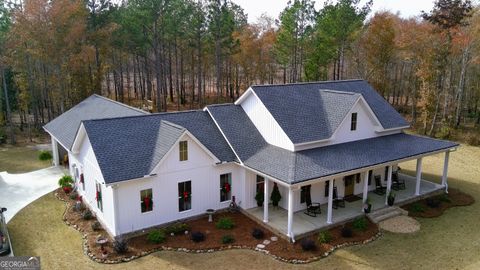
<point>307,113</point>
<point>64,127</point>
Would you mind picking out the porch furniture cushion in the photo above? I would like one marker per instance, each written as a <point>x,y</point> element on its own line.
<point>379,188</point>
<point>397,183</point>
<point>337,201</point>
<point>312,208</point>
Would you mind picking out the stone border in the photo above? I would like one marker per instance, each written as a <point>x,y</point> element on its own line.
<point>87,251</point>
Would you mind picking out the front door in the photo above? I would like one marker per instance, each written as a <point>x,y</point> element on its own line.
<point>349,185</point>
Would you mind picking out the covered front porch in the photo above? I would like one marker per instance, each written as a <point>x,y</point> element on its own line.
<point>303,224</point>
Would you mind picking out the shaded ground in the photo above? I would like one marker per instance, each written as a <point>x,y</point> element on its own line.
<point>451,241</point>
<point>21,159</point>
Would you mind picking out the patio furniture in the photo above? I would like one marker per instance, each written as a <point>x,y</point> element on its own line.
<point>312,208</point>
<point>337,201</point>
<point>379,188</point>
<point>397,183</point>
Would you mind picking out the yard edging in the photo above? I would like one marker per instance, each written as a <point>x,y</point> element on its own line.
<point>89,254</point>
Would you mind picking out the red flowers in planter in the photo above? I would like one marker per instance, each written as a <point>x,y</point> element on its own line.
<point>67,189</point>
<point>146,202</point>
<point>227,187</point>
<point>185,195</point>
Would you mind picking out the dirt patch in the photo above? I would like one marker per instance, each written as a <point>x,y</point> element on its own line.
<point>400,224</point>
<point>242,234</point>
<point>436,205</point>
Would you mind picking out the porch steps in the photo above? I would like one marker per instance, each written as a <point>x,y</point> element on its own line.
<point>386,213</point>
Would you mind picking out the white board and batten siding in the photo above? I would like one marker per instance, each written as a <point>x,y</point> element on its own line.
<point>87,163</point>
<point>265,122</point>
<point>200,169</point>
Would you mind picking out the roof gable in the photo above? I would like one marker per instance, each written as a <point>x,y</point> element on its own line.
<point>65,126</point>
<point>312,111</point>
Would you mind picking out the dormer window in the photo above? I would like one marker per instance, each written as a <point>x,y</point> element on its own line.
<point>183,150</point>
<point>353,125</point>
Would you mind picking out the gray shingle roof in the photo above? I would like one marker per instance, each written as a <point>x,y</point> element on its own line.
<point>295,167</point>
<point>306,113</point>
<point>130,147</point>
<point>64,127</point>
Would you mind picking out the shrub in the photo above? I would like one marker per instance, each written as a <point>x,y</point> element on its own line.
<point>433,203</point>
<point>73,196</point>
<point>347,232</point>
<point>227,239</point>
<point>65,181</point>
<point>120,245</point>
<point>257,233</point>
<point>275,197</point>
<point>96,226</point>
<point>198,237</point>
<point>308,245</point>
<point>324,237</point>
<point>157,236</point>
<point>360,224</point>
<point>225,223</point>
<point>177,228</point>
<point>417,208</point>
<point>45,155</point>
<point>87,215</point>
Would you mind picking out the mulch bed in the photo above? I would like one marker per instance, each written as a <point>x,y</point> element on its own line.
<point>436,205</point>
<point>242,233</point>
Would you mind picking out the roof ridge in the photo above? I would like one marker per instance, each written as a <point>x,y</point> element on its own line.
<point>303,83</point>
<point>122,104</point>
<point>143,115</point>
<point>173,125</point>
<point>220,104</point>
<point>340,92</point>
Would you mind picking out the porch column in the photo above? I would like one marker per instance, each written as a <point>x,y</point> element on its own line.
<point>445,171</point>
<point>419,176</point>
<point>389,183</point>
<point>290,213</point>
<point>365,188</point>
<point>55,152</point>
<point>330,201</point>
<point>265,200</point>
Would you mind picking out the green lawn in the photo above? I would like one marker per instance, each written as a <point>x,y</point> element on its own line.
<point>451,241</point>
<point>20,159</point>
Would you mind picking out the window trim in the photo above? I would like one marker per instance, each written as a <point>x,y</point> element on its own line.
<point>179,196</point>
<point>151,201</point>
<point>183,153</point>
<point>303,194</point>
<point>229,194</point>
<point>354,121</point>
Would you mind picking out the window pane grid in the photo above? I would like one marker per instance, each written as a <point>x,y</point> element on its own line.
<point>225,187</point>
<point>146,200</point>
<point>184,196</point>
<point>183,150</point>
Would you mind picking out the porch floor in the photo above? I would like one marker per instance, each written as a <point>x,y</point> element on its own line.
<point>303,224</point>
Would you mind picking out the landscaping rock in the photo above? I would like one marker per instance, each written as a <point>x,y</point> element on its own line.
<point>260,246</point>
<point>400,224</point>
<point>266,242</point>
<point>274,238</point>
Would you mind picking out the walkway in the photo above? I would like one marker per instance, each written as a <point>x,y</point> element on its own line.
<point>19,190</point>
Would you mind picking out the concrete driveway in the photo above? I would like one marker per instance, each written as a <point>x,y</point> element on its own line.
<point>19,190</point>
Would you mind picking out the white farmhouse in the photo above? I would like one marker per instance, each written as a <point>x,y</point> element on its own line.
<point>333,143</point>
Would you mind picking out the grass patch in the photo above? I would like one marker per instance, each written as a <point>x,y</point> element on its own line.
<point>21,159</point>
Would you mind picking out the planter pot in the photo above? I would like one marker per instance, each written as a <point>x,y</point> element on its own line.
<point>67,189</point>
<point>367,209</point>
<point>390,201</point>
<point>275,204</point>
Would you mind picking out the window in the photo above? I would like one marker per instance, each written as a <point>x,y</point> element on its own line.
<point>184,196</point>
<point>98,196</point>
<point>146,200</point>
<point>260,183</point>
<point>370,176</point>
<point>183,150</point>
<point>82,180</point>
<point>327,183</point>
<point>225,187</point>
<point>354,122</point>
<point>303,193</point>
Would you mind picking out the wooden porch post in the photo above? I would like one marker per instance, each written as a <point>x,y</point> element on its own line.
<point>419,176</point>
<point>389,183</point>
<point>445,171</point>
<point>265,200</point>
<point>290,214</point>
<point>365,188</point>
<point>330,201</point>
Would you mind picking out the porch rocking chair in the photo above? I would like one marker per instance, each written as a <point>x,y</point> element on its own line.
<point>379,188</point>
<point>397,183</point>
<point>337,201</point>
<point>312,208</point>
